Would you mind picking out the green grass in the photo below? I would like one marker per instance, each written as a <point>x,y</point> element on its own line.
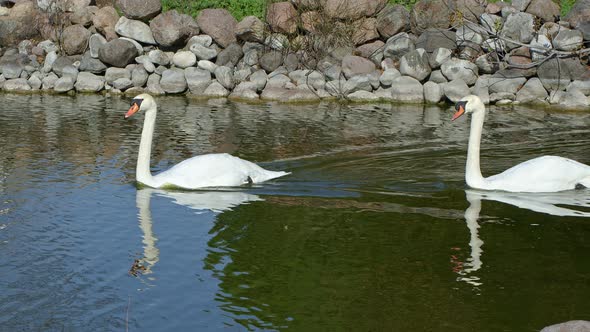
<point>238,8</point>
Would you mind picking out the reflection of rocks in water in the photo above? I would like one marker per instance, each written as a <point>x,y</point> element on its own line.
<point>571,326</point>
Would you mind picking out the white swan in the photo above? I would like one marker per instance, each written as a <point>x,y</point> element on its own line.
<point>210,170</point>
<point>542,174</point>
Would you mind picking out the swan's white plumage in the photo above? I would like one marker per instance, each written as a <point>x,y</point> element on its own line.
<point>210,170</point>
<point>542,174</point>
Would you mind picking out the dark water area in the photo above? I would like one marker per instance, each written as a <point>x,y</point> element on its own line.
<point>374,230</point>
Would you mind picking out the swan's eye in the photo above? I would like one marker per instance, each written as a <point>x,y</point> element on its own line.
<point>136,101</point>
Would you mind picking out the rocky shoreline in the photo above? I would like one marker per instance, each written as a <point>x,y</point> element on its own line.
<point>305,50</point>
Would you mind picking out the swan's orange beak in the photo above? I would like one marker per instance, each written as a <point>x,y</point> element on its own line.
<point>132,110</point>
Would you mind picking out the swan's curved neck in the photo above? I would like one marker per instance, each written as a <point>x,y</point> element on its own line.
<point>142,172</point>
<point>473,175</point>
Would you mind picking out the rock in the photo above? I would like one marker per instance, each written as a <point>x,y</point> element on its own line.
<point>147,64</point>
<point>494,45</point>
<point>291,62</point>
<point>48,82</point>
<point>455,90</point>
<point>580,12</point>
<point>518,27</point>
<point>277,41</point>
<point>372,51</point>
<point>183,59</point>
<point>88,82</point>
<point>438,57</point>
<point>17,84</point>
<point>568,40</point>
<point>299,95</point>
<point>118,53</point>
<point>48,46</point>
<point>90,64</point>
<point>572,99</point>
<point>352,9</point>
<point>105,19</point>
<point>270,61</point>
<point>570,326</point>
<point>251,29</point>
<point>207,65</point>
<point>481,88</point>
<point>215,89</point>
<point>279,80</point>
<point>83,16</point>
<point>230,55</point>
<point>392,20</point>
<point>354,65</point>
<point>532,91</point>
<point>70,71</point>
<point>432,39</point>
<point>244,90</point>
<point>95,42</point>
<point>122,84</point>
<point>547,10</point>
<point>75,39</point>
<point>407,90</point>
<point>17,25</point>
<point>173,29</point>
<point>433,93</point>
<point>388,76</point>
<point>491,22</point>
<point>25,47</point>
<point>485,64</point>
<point>173,81</point>
<point>139,76</point>
<point>556,74</point>
<point>197,80</point>
<point>12,70</point>
<point>470,33</point>
<point>204,40</point>
<point>282,17</point>
<point>437,77</point>
<point>225,77</point>
<point>460,69</point>
<point>159,58</point>
<point>365,31</point>
<point>219,24</point>
<point>398,45</point>
<point>142,10</point>
<point>583,86</point>
<point>60,63</point>
<point>505,81</point>
<point>520,5</point>
<point>415,64</point>
<point>362,96</point>
<point>63,84</point>
<point>259,78</point>
<point>203,52</point>
<point>134,29</point>
<point>427,14</point>
<point>112,74</point>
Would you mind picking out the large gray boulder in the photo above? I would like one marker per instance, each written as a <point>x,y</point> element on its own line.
<point>141,10</point>
<point>17,25</point>
<point>197,79</point>
<point>225,77</point>
<point>532,91</point>
<point>547,10</point>
<point>438,57</point>
<point>219,24</point>
<point>568,40</point>
<point>90,64</point>
<point>88,82</point>
<point>270,61</point>
<point>432,39</point>
<point>460,69</point>
<point>506,81</point>
<point>580,12</point>
<point>12,70</point>
<point>104,21</point>
<point>407,90</point>
<point>433,92</point>
<point>353,65</point>
<point>63,84</point>
<point>118,52</point>
<point>173,29</point>
<point>112,74</point>
<point>134,29</point>
<point>392,20</point>
<point>250,29</point>
<point>95,42</point>
<point>203,52</point>
<point>352,9</point>
<point>75,39</point>
<point>282,17</point>
<point>519,27</point>
<point>184,59</point>
<point>398,45</point>
<point>139,76</point>
<point>230,56</point>
<point>427,14</point>
<point>455,90</point>
<point>17,84</point>
<point>173,81</point>
<point>556,74</point>
<point>569,326</point>
<point>244,90</point>
<point>415,64</point>
<point>216,90</point>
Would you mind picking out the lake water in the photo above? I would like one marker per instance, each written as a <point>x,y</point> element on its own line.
<point>374,230</point>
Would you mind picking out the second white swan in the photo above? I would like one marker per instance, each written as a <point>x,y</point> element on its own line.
<point>209,170</point>
<point>542,174</point>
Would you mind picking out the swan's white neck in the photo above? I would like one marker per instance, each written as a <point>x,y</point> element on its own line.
<point>142,172</point>
<point>473,175</point>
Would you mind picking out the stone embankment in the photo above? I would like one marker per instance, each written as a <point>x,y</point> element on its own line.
<point>305,50</point>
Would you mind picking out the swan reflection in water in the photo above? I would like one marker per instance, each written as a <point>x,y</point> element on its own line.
<point>200,201</point>
<point>569,203</point>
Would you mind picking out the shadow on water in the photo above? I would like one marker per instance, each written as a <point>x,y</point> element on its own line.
<point>367,233</point>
